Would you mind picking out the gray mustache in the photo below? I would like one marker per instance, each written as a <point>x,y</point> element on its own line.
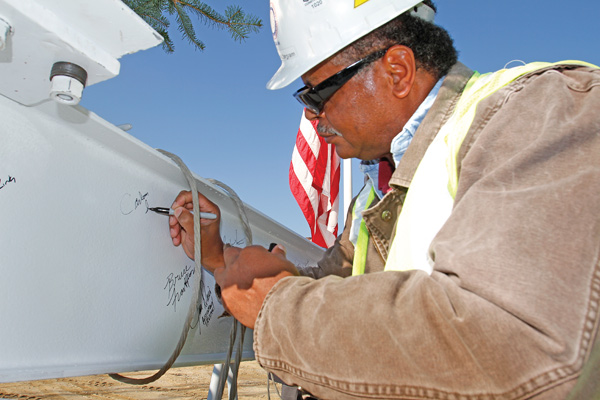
<point>327,130</point>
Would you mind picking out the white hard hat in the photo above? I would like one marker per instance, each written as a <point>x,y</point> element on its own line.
<point>307,32</point>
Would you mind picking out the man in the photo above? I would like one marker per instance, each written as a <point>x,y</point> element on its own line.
<point>476,275</point>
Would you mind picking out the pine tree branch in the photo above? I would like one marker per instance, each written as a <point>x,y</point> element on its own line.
<point>186,27</point>
<point>241,26</point>
<point>203,11</point>
<point>153,12</point>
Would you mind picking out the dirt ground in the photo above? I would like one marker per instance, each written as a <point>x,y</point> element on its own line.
<point>177,383</point>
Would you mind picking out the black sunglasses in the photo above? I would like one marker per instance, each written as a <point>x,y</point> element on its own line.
<point>315,97</point>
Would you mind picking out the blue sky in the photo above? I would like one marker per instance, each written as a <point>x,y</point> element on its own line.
<point>212,109</point>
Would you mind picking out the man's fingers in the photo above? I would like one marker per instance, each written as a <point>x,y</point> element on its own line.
<point>185,219</point>
<point>230,254</point>
<point>182,199</point>
<point>279,249</point>
<point>219,275</point>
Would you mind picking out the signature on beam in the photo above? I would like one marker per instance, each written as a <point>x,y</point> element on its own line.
<point>177,284</point>
<point>129,203</point>
<point>208,305</point>
<point>206,308</point>
<point>6,182</point>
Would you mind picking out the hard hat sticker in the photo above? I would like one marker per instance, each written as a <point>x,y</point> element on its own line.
<point>312,3</point>
<point>287,54</point>
<point>273,23</point>
<point>359,2</point>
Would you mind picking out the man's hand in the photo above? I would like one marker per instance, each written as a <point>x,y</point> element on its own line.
<point>182,230</point>
<point>248,275</point>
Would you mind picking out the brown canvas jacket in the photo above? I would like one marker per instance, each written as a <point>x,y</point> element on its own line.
<point>511,308</point>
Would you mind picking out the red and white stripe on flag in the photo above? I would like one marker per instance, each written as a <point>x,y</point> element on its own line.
<point>315,182</point>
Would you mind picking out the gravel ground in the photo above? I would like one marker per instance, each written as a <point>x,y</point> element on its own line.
<point>177,383</point>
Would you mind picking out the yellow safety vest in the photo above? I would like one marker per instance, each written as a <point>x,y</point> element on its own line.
<point>360,248</point>
<point>430,198</point>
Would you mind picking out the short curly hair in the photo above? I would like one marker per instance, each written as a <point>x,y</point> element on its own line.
<point>431,44</point>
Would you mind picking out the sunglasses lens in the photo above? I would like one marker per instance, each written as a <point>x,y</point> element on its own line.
<point>312,101</point>
<point>314,97</point>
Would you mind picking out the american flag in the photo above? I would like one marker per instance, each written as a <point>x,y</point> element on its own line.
<point>315,182</point>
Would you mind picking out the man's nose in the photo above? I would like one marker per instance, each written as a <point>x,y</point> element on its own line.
<point>311,115</point>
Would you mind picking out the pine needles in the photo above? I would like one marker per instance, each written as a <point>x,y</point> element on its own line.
<point>239,24</point>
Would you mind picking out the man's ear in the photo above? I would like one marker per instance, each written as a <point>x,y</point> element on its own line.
<point>400,65</point>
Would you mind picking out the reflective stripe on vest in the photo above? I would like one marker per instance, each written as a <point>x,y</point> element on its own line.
<point>430,197</point>
<point>360,239</point>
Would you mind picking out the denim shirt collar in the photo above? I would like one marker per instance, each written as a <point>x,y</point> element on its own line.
<point>402,140</point>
